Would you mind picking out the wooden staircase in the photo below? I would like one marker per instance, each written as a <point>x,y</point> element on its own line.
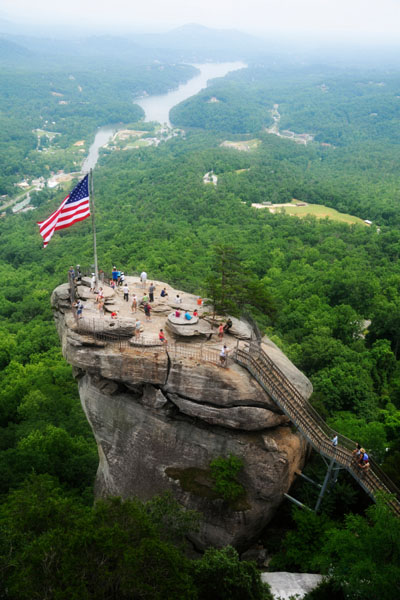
<point>310,423</point>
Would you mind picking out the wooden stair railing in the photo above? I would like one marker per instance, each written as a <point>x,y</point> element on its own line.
<point>310,423</point>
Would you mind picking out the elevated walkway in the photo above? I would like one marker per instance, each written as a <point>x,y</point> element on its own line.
<point>311,425</point>
<point>272,380</point>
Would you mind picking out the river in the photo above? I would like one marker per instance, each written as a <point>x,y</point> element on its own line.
<point>157,108</point>
<point>102,136</point>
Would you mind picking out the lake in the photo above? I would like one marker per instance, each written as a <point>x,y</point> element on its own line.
<point>157,108</point>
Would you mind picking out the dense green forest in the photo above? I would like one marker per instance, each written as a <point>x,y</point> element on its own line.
<point>353,113</point>
<point>323,278</point>
<point>43,113</point>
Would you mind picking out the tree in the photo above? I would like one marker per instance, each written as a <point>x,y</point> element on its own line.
<point>346,386</point>
<point>386,324</point>
<point>231,286</point>
<point>371,435</point>
<point>221,575</point>
<point>363,555</point>
<point>326,590</point>
<point>52,546</point>
<point>301,545</point>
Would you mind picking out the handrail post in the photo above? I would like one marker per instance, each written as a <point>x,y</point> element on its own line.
<point>325,484</point>
<point>237,348</point>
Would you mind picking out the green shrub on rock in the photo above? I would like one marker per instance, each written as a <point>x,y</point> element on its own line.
<point>224,472</point>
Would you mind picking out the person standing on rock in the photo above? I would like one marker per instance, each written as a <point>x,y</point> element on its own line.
<point>152,288</point>
<point>223,356</point>
<point>138,326</point>
<point>71,273</point>
<point>78,274</point>
<point>93,283</point>
<point>143,278</point>
<point>115,276</point>
<point>220,332</point>
<point>78,308</point>
<point>125,289</point>
<point>147,311</point>
<point>134,303</point>
<point>162,338</point>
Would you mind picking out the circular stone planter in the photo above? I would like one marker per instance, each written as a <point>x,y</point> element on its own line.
<point>181,320</point>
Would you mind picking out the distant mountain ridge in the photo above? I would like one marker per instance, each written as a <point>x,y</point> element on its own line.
<point>10,50</point>
<point>188,43</point>
<point>199,36</point>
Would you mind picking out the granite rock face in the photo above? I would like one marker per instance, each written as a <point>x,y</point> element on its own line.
<point>296,377</point>
<point>160,417</point>
<point>247,418</point>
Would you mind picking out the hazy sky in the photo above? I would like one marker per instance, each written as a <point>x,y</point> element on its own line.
<point>375,18</point>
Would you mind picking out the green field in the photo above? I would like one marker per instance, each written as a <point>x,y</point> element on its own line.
<point>321,212</point>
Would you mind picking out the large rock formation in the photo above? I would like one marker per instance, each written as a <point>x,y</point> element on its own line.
<point>160,414</point>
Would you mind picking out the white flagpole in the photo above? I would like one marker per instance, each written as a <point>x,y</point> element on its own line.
<point>91,200</point>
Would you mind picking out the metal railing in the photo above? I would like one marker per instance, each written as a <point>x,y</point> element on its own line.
<point>109,332</point>
<point>201,352</point>
<point>273,381</point>
<point>310,423</point>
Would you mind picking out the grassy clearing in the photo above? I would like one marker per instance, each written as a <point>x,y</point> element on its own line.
<point>321,212</point>
<point>317,210</point>
<point>244,146</point>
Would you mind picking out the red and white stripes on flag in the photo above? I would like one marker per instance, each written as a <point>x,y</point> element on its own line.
<point>75,207</point>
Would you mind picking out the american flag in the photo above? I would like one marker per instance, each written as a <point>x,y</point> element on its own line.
<point>75,207</point>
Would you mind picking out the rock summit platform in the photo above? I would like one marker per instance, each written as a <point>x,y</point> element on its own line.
<point>202,328</point>
<point>161,413</point>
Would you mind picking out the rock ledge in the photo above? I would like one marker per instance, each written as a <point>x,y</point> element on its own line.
<point>159,408</point>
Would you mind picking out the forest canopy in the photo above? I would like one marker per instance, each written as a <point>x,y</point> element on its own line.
<point>326,292</point>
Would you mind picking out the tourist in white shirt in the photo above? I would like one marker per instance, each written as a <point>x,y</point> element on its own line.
<point>223,355</point>
<point>143,278</point>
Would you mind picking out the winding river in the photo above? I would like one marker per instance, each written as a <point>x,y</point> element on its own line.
<point>157,108</point>
<point>103,135</point>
